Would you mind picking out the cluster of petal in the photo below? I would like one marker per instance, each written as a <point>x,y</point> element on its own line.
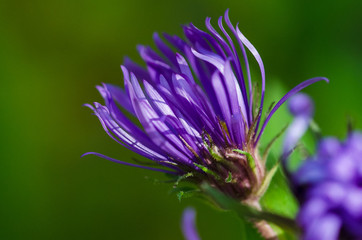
<point>329,187</point>
<point>195,104</point>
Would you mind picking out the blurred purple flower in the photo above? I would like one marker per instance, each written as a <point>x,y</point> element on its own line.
<point>302,107</point>
<point>329,187</point>
<point>195,103</point>
<point>188,224</point>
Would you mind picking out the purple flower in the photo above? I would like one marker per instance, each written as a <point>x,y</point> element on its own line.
<point>195,104</point>
<point>188,224</point>
<point>329,187</point>
<point>302,107</point>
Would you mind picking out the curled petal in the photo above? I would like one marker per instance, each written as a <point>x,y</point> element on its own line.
<point>135,141</point>
<point>245,58</point>
<point>285,98</point>
<point>210,57</point>
<point>257,57</point>
<point>153,125</point>
<point>128,164</point>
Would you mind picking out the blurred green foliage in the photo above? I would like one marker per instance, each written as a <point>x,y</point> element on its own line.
<point>52,55</point>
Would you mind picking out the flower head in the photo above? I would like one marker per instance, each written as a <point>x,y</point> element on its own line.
<point>329,187</point>
<point>195,103</point>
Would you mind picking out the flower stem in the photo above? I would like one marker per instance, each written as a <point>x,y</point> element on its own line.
<point>265,230</point>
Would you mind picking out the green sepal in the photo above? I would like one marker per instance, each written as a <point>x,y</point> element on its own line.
<point>271,143</point>
<point>249,158</point>
<point>213,154</point>
<point>267,179</point>
<point>182,194</point>
<point>183,177</point>
<point>185,192</point>
<point>216,156</point>
<point>208,171</point>
<point>229,178</point>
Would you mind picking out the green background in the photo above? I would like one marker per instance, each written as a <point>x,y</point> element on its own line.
<point>53,53</point>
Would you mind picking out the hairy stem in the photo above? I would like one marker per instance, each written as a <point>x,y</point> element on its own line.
<point>265,230</point>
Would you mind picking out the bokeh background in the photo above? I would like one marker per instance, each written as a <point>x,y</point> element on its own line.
<point>53,53</point>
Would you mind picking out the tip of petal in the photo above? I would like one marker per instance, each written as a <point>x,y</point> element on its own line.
<point>100,88</point>
<point>88,106</point>
<point>140,48</point>
<point>87,153</point>
<point>208,21</point>
<point>324,79</point>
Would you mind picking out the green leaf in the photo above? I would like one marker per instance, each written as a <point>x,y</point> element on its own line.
<point>278,197</point>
